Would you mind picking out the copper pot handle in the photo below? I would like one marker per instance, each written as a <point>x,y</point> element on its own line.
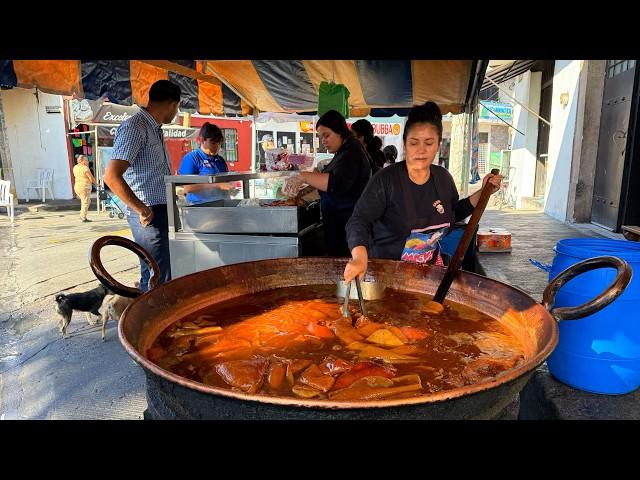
<point>106,279</point>
<point>613,291</point>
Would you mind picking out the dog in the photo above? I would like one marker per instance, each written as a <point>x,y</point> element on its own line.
<point>113,309</point>
<point>88,302</point>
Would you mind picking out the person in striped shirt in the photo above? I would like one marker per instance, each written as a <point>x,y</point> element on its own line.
<point>136,174</point>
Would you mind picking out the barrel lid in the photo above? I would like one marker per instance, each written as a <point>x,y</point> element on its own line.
<point>595,247</point>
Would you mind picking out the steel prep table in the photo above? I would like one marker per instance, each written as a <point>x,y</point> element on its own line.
<point>220,233</point>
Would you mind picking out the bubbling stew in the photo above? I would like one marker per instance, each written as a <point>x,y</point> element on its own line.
<point>294,342</point>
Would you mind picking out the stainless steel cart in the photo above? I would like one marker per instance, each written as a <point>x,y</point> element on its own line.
<point>220,233</point>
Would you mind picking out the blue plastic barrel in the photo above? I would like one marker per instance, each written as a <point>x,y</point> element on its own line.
<point>599,353</point>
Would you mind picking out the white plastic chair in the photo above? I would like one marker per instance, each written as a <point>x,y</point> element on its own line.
<point>44,181</point>
<point>6,197</point>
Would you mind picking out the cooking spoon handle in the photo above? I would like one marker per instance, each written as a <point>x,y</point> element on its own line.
<point>456,261</point>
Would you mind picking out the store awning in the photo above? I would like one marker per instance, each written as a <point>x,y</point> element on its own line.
<point>506,72</point>
<point>390,85</point>
<point>237,87</point>
<point>124,82</point>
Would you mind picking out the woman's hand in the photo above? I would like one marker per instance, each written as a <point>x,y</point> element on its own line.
<point>494,181</point>
<point>357,266</point>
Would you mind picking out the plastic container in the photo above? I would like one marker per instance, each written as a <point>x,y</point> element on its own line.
<point>599,353</point>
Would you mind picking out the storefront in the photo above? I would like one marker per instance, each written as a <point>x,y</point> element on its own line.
<point>297,134</point>
<point>93,129</point>
<point>236,148</point>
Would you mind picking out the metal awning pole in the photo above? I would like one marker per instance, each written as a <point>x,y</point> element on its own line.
<point>465,155</point>
<point>255,149</point>
<point>97,169</point>
<point>517,101</point>
<point>313,141</point>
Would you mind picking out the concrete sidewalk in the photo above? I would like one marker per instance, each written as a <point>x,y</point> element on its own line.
<point>43,376</point>
<point>533,235</point>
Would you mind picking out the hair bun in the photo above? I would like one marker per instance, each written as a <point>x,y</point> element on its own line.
<point>428,112</point>
<point>433,109</point>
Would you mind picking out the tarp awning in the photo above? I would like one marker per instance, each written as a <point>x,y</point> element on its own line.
<point>507,72</point>
<point>393,85</point>
<point>124,82</point>
<point>234,87</point>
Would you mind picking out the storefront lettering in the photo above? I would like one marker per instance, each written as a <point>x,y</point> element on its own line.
<point>386,129</point>
<point>108,116</point>
<point>174,133</point>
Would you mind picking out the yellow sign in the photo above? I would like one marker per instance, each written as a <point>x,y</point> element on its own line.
<point>386,128</point>
<point>306,127</point>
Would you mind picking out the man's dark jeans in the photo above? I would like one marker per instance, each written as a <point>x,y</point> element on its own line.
<point>154,238</point>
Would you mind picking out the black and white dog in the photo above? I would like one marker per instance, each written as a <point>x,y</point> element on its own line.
<point>88,302</point>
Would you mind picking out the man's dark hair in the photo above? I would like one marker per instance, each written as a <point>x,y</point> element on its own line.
<point>211,131</point>
<point>164,90</point>
<point>336,122</point>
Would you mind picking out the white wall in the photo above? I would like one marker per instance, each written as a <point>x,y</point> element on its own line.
<point>526,89</point>
<point>281,127</point>
<point>563,120</point>
<point>37,139</point>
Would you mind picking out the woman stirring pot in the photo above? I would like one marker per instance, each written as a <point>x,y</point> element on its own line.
<point>408,206</point>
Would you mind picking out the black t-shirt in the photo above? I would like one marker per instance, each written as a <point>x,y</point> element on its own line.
<point>382,220</point>
<point>349,171</point>
<point>423,196</point>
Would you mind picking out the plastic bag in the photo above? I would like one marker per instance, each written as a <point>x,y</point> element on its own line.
<point>293,185</point>
<point>279,159</point>
<point>249,202</point>
<point>303,163</point>
<point>333,96</point>
<point>276,159</point>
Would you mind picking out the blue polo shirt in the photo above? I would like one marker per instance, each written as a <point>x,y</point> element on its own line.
<point>197,162</point>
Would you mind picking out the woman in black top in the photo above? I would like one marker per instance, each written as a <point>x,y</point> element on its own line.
<point>407,196</point>
<point>363,131</point>
<point>341,182</point>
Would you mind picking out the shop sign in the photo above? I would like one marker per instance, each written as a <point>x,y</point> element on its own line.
<point>502,110</point>
<point>386,128</point>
